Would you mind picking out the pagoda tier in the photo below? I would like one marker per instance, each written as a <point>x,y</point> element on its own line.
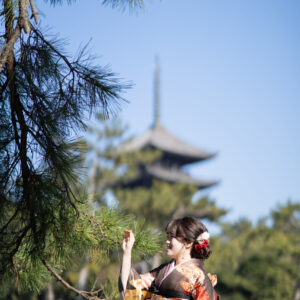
<point>150,172</point>
<point>174,150</point>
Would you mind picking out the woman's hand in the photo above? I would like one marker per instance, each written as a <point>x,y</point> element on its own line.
<point>128,241</point>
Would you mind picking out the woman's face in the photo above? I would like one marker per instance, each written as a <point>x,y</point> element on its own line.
<point>174,247</point>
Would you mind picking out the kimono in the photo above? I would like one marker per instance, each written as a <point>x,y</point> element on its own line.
<point>184,281</point>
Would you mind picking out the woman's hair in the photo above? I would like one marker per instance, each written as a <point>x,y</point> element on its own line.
<point>187,230</point>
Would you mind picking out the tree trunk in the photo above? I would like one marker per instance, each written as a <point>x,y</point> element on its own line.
<point>18,122</point>
<point>50,293</point>
<point>82,280</point>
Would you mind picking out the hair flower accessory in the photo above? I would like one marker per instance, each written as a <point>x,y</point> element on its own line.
<point>202,240</point>
<point>203,236</point>
<point>199,247</point>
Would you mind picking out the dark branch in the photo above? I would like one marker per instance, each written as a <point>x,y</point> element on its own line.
<point>84,294</point>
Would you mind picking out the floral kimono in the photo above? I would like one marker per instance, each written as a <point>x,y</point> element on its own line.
<point>184,281</point>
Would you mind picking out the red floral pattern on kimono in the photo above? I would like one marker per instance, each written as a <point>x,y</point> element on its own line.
<point>196,277</point>
<point>185,281</point>
<point>192,272</point>
<point>200,292</point>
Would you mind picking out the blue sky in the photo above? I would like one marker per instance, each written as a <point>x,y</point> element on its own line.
<point>230,74</point>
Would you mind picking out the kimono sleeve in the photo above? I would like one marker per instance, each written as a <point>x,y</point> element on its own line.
<point>204,290</point>
<point>137,284</point>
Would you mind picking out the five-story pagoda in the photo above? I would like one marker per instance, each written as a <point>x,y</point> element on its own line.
<point>175,153</point>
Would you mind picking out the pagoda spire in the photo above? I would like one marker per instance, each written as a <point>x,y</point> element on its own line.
<point>156,93</point>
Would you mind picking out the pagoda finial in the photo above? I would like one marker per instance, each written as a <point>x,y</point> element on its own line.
<point>156,93</point>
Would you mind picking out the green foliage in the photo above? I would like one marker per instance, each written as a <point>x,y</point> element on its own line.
<point>164,201</point>
<point>44,102</point>
<point>258,262</point>
<point>103,229</point>
<point>96,234</point>
<point>45,96</point>
<point>157,204</point>
<point>40,170</point>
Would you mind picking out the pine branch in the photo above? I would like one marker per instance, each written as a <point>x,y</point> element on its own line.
<point>23,16</point>
<point>4,86</point>
<point>34,13</point>
<point>24,23</point>
<point>9,46</point>
<point>84,294</point>
<point>3,46</point>
<point>63,57</point>
<point>54,2</point>
<point>65,283</point>
<point>124,3</point>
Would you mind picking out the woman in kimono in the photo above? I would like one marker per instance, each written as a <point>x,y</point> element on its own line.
<point>183,277</point>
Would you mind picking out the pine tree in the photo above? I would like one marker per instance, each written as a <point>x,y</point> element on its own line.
<point>261,261</point>
<point>45,220</point>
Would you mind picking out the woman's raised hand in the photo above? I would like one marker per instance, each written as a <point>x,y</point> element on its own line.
<point>128,241</point>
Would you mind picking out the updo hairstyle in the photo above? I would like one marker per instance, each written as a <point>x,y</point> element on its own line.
<point>186,230</point>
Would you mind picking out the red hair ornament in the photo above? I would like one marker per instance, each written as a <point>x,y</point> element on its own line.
<point>199,247</point>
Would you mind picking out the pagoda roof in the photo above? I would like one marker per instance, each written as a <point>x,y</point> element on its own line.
<point>177,176</point>
<point>158,137</point>
<point>149,172</point>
